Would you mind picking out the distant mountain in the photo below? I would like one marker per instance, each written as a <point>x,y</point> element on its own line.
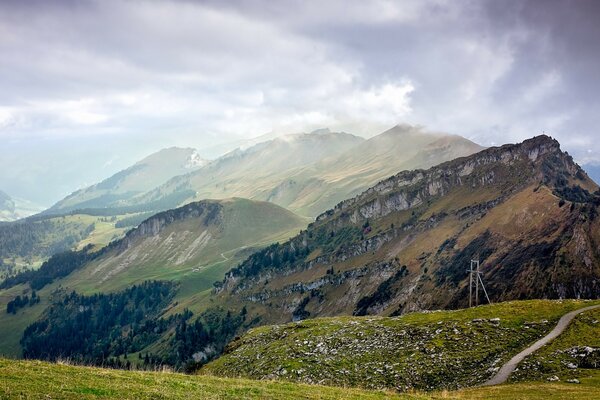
<point>527,212</point>
<point>309,173</point>
<point>322,185</point>
<point>12,209</point>
<point>144,175</point>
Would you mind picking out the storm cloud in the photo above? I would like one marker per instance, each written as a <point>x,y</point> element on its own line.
<point>87,87</point>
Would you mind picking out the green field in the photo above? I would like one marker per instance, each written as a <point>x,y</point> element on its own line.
<point>41,380</point>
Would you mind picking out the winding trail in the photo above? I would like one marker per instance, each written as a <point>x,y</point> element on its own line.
<point>504,373</point>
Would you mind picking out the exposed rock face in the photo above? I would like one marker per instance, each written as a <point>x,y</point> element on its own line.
<point>209,212</point>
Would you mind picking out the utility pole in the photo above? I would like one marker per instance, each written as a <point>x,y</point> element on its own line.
<point>478,280</point>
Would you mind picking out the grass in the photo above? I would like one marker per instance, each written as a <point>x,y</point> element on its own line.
<point>37,380</point>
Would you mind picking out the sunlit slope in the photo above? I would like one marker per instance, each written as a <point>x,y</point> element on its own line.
<point>24,379</point>
<point>309,173</point>
<point>322,185</point>
<point>255,171</point>
<point>195,243</point>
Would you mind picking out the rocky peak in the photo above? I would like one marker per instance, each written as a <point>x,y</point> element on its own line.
<point>512,166</point>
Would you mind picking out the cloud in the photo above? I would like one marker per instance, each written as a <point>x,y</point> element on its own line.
<point>133,76</point>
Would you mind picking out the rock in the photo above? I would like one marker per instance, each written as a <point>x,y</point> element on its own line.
<point>495,320</point>
<point>571,366</point>
<point>554,378</point>
<point>573,381</point>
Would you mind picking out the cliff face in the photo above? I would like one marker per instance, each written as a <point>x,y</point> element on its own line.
<point>207,213</point>
<point>526,211</point>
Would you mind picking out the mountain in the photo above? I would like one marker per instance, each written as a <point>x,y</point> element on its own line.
<point>309,173</point>
<point>255,171</point>
<point>192,246</point>
<point>12,209</point>
<point>195,243</point>
<point>141,177</point>
<point>527,212</point>
<point>320,186</point>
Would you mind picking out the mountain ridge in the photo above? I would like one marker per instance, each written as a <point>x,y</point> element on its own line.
<point>404,244</point>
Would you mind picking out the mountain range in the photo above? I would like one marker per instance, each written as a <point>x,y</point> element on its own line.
<point>306,173</point>
<point>144,175</point>
<point>526,212</point>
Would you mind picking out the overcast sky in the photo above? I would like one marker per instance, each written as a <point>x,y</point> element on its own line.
<point>88,87</point>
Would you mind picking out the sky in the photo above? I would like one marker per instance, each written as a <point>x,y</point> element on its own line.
<point>89,87</point>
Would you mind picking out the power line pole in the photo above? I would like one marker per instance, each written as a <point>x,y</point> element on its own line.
<point>470,271</point>
<point>478,280</point>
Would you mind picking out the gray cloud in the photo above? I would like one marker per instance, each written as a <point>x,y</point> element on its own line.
<point>116,80</point>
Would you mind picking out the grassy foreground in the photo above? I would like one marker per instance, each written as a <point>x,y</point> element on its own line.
<point>424,351</point>
<point>42,380</point>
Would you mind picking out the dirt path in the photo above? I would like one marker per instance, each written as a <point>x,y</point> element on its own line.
<point>507,369</point>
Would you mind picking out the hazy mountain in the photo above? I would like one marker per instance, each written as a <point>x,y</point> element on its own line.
<point>526,211</point>
<point>12,209</point>
<point>144,175</point>
<point>322,185</point>
<point>253,171</point>
<point>309,173</point>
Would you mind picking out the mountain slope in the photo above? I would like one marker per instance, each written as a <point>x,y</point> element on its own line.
<point>144,175</point>
<point>320,186</point>
<point>525,211</point>
<point>194,243</point>
<point>420,351</point>
<point>192,246</point>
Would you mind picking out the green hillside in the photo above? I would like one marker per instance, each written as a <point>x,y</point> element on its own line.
<point>568,357</point>
<point>422,351</point>
<point>192,246</point>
